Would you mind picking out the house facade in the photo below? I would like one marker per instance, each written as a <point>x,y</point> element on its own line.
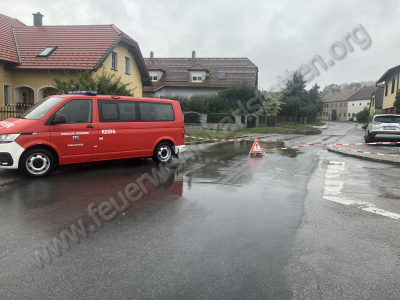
<point>377,101</point>
<point>193,76</point>
<point>343,105</point>
<point>390,79</point>
<point>30,57</point>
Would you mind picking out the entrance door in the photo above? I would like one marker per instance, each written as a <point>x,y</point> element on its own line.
<point>73,140</point>
<point>251,121</point>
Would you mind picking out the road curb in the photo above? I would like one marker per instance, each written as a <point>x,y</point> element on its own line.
<point>386,160</point>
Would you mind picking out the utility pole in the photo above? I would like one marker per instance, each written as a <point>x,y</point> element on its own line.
<point>295,120</point>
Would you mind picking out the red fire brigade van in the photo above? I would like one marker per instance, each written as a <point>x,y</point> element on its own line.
<point>83,127</point>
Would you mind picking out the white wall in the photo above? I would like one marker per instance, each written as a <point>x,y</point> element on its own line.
<point>356,108</point>
<point>184,91</point>
<point>156,73</point>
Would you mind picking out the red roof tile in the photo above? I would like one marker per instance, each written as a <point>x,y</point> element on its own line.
<point>177,73</point>
<point>154,66</point>
<point>8,51</point>
<point>78,47</point>
<point>198,67</point>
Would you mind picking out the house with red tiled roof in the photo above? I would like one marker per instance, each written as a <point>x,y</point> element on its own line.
<point>342,105</point>
<point>28,53</point>
<point>193,76</point>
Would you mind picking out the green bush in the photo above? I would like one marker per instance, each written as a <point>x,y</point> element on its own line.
<point>363,116</point>
<point>223,102</point>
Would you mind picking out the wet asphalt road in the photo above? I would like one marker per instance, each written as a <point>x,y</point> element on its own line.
<point>241,228</point>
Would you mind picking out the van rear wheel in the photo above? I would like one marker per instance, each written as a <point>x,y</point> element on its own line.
<point>162,153</point>
<point>37,163</point>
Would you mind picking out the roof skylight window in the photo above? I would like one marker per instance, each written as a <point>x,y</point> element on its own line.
<point>47,51</point>
<point>221,75</point>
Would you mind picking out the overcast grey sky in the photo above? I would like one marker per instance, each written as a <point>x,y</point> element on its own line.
<point>274,35</point>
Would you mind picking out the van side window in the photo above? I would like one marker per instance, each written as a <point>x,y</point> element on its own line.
<point>127,111</point>
<point>150,111</point>
<point>109,111</point>
<point>76,111</point>
<point>117,111</point>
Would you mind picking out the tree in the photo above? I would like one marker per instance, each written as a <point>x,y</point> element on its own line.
<point>295,84</point>
<point>363,116</point>
<point>289,106</point>
<point>243,92</point>
<point>104,84</point>
<point>331,87</point>
<point>354,85</point>
<point>271,106</point>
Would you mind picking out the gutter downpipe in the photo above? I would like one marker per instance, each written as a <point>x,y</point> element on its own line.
<point>16,46</point>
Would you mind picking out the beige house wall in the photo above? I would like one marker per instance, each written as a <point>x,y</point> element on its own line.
<point>388,101</point>
<point>134,78</point>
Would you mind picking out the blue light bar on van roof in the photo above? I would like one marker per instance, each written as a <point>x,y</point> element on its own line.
<point>82,92</point>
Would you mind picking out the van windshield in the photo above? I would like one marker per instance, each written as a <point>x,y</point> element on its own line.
<point>41,108</point>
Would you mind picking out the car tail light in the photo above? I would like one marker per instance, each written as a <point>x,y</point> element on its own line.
<point>376,123</point>
<point>183,131</point>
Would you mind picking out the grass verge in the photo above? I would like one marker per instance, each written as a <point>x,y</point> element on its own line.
<point>259,130</point>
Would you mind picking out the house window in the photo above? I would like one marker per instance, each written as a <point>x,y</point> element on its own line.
<point>349,115</point>
<point>153,78</point>
<point>197,78</point>
<point>114,61</point>
<point>221,75</point>
<point>335,104</point>
<point>360,103</point>
<point>7,95</point>
<point>127,65</point>
<point>386,90</point>
<point>340,114</point>
<point>393,84</point>
<point>353,104</point>
<point>47,51</point>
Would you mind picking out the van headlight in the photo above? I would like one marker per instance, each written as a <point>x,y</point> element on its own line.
<point>8,138</point>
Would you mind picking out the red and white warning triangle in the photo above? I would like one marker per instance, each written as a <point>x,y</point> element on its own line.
<point>256,149</point>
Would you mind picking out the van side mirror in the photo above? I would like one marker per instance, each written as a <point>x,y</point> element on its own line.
<point>59,120</point>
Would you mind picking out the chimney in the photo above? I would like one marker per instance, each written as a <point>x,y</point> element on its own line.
<point>37,19</point>
<point>151,56</point>
<point>193,57</point>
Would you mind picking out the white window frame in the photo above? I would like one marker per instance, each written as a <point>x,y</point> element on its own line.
<point>116,60</point>
<point>127,66</point>
<point>197,78</point>
<point>154,78</point>
<point>8,96</point>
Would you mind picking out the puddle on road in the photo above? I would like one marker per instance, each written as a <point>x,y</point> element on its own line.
<point>229,150</point>
<point>313,132</point>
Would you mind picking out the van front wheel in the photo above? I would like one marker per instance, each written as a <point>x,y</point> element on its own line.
<point>162,153</point>
<point>37,163</point>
